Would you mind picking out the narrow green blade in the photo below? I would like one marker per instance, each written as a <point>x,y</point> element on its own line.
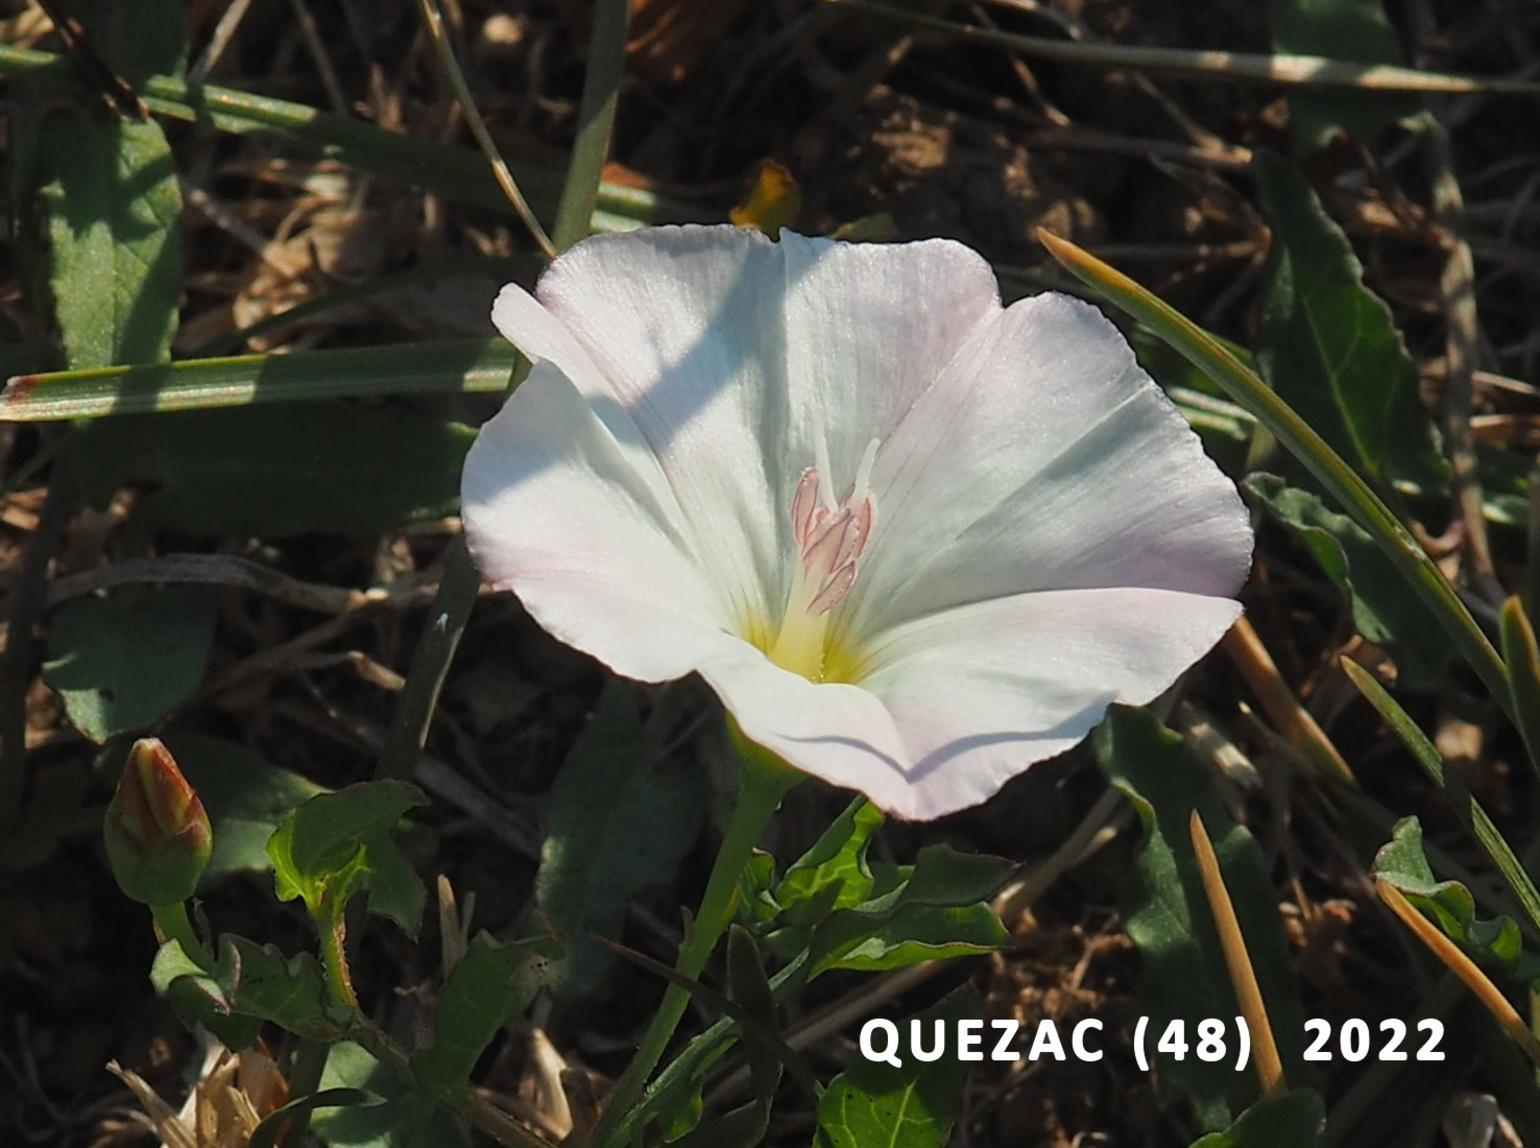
<point>453,366</point>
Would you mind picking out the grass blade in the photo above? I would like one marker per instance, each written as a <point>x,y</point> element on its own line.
<point>456,173</point>
<point>1466,807</point>
<point>452,366</point>
<point>1290,71</point>
<point>1301,440</point>
<point>1523,658</point>
<point>451,608</point>
<point>434,20</point>
<point>596,121</point>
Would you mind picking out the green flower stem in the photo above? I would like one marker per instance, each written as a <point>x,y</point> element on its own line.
<point>331,923</point>
<point>763,782</point>
<point>175,925</point>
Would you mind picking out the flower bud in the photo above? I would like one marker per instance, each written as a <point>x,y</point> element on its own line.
<point>157,832</point>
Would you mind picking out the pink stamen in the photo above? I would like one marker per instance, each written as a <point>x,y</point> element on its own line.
<point>857,531</point>
<point>834,590</point>
<point>803,504</point>
<point>831,537</point>
<point>827,541</point>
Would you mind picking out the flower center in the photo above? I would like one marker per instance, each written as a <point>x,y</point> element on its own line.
<point>830,538</point>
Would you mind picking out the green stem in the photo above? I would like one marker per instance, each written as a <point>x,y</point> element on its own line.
<point>763,782</point>
<point>334,955</point>
<point>175,925</point>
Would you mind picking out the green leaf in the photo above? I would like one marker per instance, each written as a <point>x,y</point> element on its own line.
<point>742,1127</point>
<point>490,985</point>
<point>674,1097</point>
<point>685,1116</point>
<point>442,366</point>
<point>326,832</point>
<point>198,999</point>
<point>873,1103</point>
<point>265,1134</point>
<point>270,471</point>
<point>837,858</point>
<point>1166,912</point>
<point>1328,345</point>
<point>682,1090</point>
<point>935,910</point>
<point>1384,608</point>
<point>1345,29</point>
<point>249,982</point>
<point>1294,1119</point>
<point>621,819</point>
<point>246,799</point>
<point>1450,905</point>
<point>108,191</point>
<point>910,935</point>
<point>340,843</point>
<point>943,876</point>
<point>750,988</point>
<point>124,661</point>
<point>101,196</point>
<point>756,904</point>
<point>350,1066</point>
<point>260,981</point>
<point>148,40</point>
<point>932,910</point>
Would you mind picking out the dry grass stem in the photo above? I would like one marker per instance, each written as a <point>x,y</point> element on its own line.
<point>1242,976</point>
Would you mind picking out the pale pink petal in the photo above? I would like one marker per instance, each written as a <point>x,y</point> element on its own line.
<point>870,329</point>
<point>555,509</point>
<point>840,733</point>
<point>981,692</point>
<point>731,357</point>
<point>677,331</point>
<point>1044,458</point>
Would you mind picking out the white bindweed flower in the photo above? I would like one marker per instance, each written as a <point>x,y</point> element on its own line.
<point>914,540</point>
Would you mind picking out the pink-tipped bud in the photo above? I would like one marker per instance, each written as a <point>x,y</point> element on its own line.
<point>157,832</point>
